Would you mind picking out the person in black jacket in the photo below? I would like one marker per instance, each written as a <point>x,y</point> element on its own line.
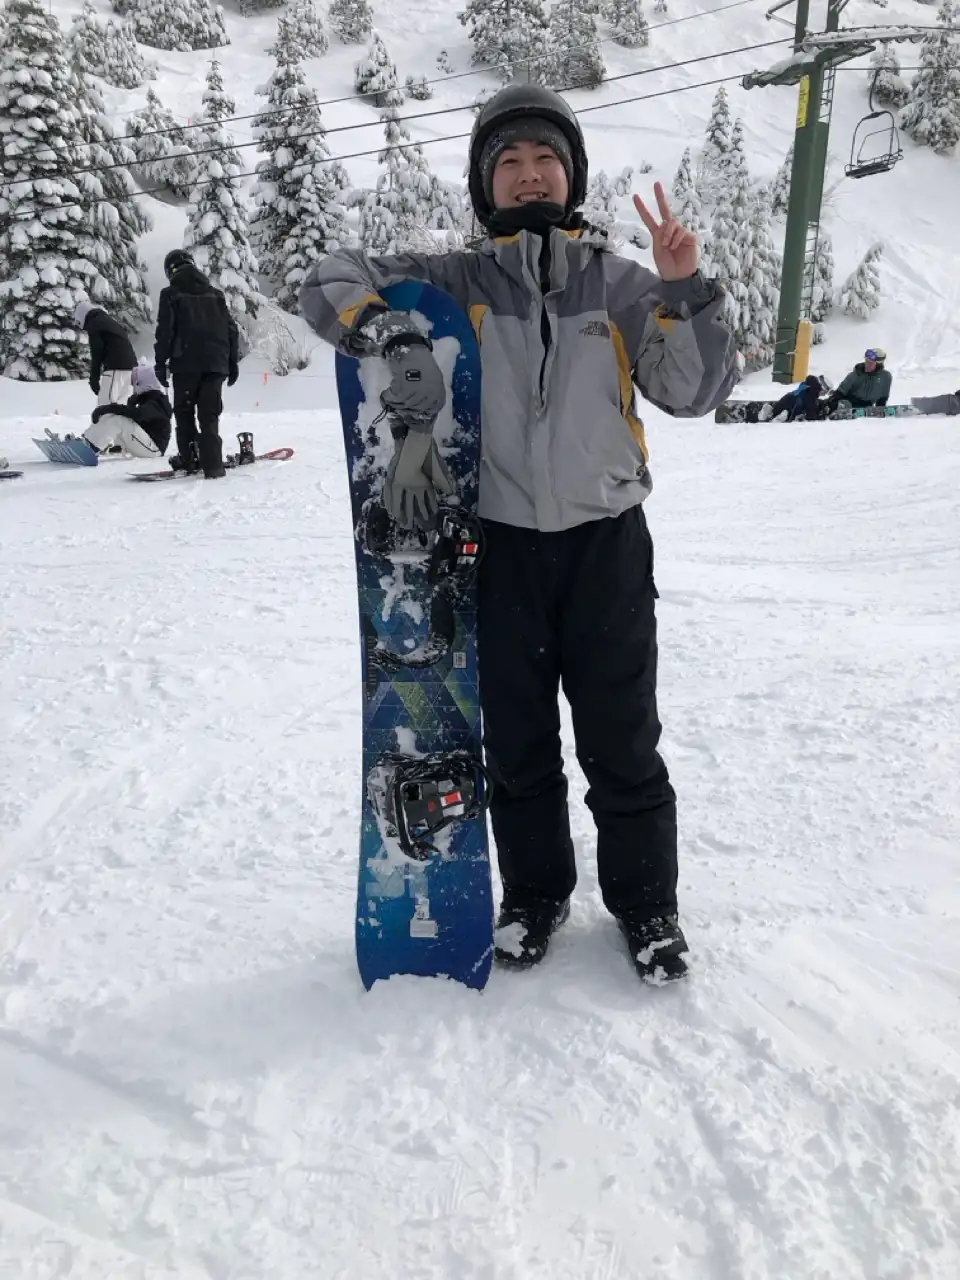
<point>141,427</point>
<point>197,342</point>
<point>802,402</point>
<point>111,353</point>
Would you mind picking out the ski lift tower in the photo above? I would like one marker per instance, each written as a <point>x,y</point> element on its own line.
<point>812,67</point>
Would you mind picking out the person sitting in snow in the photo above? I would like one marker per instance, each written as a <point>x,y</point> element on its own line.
<point>802,402</point>
<point>112,356</point>
<point>867,385</point>
<point>567,329</point>
<point>141,427</point>
<point>198,343</point>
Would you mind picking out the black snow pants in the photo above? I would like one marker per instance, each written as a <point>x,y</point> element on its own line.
<point>576,608</point>
<point>197,399</point>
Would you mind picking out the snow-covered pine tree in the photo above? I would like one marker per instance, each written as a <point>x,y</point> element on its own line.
<point>688,209</point>
<point>299,204</point>
<point>444,65</point>
<point>301,27</point>
<point>217,232</point>
<point>179,24</point>
<point>119,219</point>
<point>629,22</point>
<point>822,299</point>
<point>577,60</point>
<point>352,20</point>
<point>390,214</point>
<point>780,188</point>
<point>600,210</point>
<point>887,87</point>
<point>375,76</point>
<point>730,229</point>
<point>49,254</point>
<point>249,7</point>
<point>510,36</point>
<point>123,7</point>
<point>107,50</point>
<point>660,7</point>
<point>932,115</point>
<point>716,146</point>
<point>418,88</point>
<point>761,266</point>
<point>160,150</point>
<point>860,293</point>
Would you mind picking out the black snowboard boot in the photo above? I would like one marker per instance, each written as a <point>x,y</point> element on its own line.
<point>211,455</point>
<point>657,947</point>
<point>524,928</point>
<point>187,460</point>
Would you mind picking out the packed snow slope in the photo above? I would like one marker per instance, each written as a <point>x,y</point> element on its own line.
<point>193,1082</point>
<point>193,1085</point>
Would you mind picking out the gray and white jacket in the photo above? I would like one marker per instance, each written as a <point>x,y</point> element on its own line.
<point>567,329</point>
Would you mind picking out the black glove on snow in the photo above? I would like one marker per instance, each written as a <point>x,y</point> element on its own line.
<point>232,376</point>
<point>95,386</point>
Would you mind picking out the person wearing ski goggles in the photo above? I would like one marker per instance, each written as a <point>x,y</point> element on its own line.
<point>867,385</point>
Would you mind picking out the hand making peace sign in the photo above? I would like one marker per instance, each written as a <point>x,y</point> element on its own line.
<point>675,249</point>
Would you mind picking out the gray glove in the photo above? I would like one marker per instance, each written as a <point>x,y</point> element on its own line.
<point>416,479</point>
<point>416,393</point>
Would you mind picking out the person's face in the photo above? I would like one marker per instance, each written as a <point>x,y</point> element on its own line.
<point>528,172</point>
<point>869,365</point>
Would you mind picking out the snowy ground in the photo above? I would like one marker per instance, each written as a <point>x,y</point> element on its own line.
<point>193,1083</point>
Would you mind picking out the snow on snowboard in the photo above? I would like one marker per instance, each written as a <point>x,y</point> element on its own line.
<point>424,900</point>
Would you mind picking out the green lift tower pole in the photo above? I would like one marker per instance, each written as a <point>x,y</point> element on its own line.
<point>814,107</point>
<point>814,74</point>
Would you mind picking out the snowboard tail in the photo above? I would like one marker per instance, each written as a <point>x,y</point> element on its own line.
<point>424,898</point>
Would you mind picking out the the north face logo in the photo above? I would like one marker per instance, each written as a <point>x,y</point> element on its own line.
<point>596,329</point>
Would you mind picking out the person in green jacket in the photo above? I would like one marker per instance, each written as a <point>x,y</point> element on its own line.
<point>569,332</point>
<point>868,384</point>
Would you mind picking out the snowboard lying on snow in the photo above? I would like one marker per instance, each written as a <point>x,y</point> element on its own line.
<point>230,463</point>
<point>10,475</point>
<point>69,449</point>
<point>424,901</point>
<point>750,411</point>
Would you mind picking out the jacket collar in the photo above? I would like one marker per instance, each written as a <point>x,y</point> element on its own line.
<point>570,251</point>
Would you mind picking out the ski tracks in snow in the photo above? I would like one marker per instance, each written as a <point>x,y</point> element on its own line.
<point>194,1085</point>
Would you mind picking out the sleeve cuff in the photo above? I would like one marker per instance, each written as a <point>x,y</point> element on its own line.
<point>691,290</point>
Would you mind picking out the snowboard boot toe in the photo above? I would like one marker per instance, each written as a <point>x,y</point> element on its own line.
<point>187,460</point>
<point>657,947</point>
<point>524,928</point>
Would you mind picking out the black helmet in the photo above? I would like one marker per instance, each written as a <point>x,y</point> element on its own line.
<point>174,260</point>
<point>525,100</point>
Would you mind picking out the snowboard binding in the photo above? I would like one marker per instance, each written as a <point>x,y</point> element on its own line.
<point>458,548</point>
<point>417,797</point>
<point>246,454</point>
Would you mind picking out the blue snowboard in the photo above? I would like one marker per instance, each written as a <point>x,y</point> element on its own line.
<point>72,450</point>
<point>429,912</point>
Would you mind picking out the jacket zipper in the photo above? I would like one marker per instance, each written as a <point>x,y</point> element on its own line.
<point>546,337</point>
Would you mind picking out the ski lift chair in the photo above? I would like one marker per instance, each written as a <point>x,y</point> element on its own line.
<point>876,160</point>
